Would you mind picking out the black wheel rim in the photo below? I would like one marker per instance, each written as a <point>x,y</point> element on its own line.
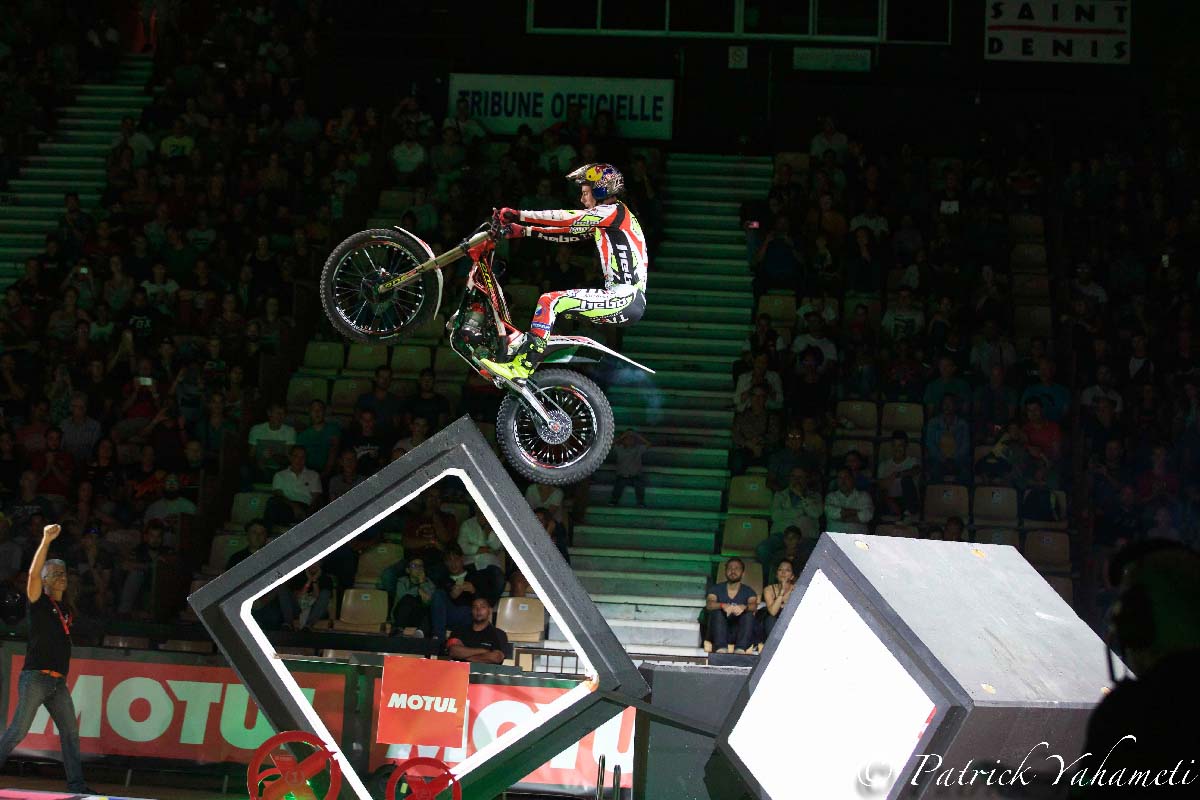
<point>354,282</point>
<point>534,447</point>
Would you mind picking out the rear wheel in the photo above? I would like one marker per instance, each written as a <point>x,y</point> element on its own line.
<point>362,262</point>
<point>570,449</point>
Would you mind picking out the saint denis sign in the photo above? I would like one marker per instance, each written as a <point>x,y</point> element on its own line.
<point>641,108</point>
<point>1051,30</point>
<point>422,701</point>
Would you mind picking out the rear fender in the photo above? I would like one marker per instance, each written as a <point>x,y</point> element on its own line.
<point>582,350</point>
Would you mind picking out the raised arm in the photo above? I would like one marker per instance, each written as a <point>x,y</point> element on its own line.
<point>33,585</point>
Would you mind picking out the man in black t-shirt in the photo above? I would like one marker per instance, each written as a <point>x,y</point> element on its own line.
<point>43,680</point>
<point>481,642</point>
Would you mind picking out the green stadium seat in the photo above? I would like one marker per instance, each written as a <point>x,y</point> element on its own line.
<point>749,493</point>
<point>408,359</point>
<point>324,357</point>
<point>742,535</point>
<point>247,506</point>
<point>302,390</point>
<point>366,358</point>
<point>346,392</point>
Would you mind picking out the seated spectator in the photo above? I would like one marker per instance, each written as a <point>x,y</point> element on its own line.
<point>903,320</point>
<point>411,596</point>
<point>814,340</point>
<point>306,602</point>
<point>1054,398</point>
<point>848,510</point>
<point>730,606</point>
<point>451,606</point>
<point>54,466</point>
<point>755,433</point>
<point>1159,483</point>
<point>320,440</point>
<point>430,532</point>
<point>902,379</point>
<point>763,338</point>
<point>627,452</point>
<point>141,570</point>
<point>1043,438</point>
<point>948,445</point>
<point>994,406</point>
<point>776,595</point>
<point>992,351</point>
<point>296,491</point>
<point>79,431</point>
<point>796,505</point>
<point>1039,503</point>
<point>778,261</point>
<point>946,383</point>
<point>386,404</point>
<point>1102,425</point>
<point>428,402</point>
<point>26,503</point>
<point>479,642</point>
<point>792,455</point>
<point>1108,475</point>
<point>270,441</point>
<point>418,432</point>
<point>760,375</point>
<point>483,550</point>
<point>93,566</point>
<point>369,445</point>
<point>953,531</point>
<point>347,478</point>
<point>899,475</point>
<point>168,507</point>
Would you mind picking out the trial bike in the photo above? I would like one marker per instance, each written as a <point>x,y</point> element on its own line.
<point>379,285</point>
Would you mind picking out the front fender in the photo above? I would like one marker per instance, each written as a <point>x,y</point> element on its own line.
<point>437,305</point>
<point>568,349</point>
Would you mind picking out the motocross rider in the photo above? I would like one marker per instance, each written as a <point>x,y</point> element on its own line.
<point>623,259</point>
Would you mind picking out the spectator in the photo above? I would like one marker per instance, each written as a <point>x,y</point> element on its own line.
<point>762,376</point>
<point>1054,398</point>
<point>411,596</point>
<point>797,505</point>
<point>946,383</point>
<point>1043,437</point>
<point>430,532</point>
<point>551,498</point>
<point>270,441</point>
<point>307,601</point>
<point>142,571</point>
<point>321,441</point>
<point>296,491</point>
<point>776,595</point>
<point>731,606</point>
<point>792,455</point>
<point>903,321</point>
<point>627,453</point>
<point>814,340</point>
<point>386,404</point>
<point>54,466</point>
<point>995,406</point>
<point>554,531</point>
<point>367,443</point>
<point>992,351</point>
<point>456,591</point>
<point>171,505</point>
<point>899,475</point>
<point>479,642</point>
<point>1105,386</point>
<point>483,551</point>
<point>848,510</point>
<point>428,403</point>
<point>948,444</point>
<point>755,433</point>
<point>347,478</point>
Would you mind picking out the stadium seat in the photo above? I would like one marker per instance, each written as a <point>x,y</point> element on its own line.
<point>907,417</point>
<point>749,493</point>
<point>408,360</point>
<point>1032,321</point>
<point>742,535</point>
<point>126,642</point>
<point>1026,229</point>
<point>905,531</point>
<point>1009,536</point>
<point>374,561</point>
<point>445,359</point>
<point>1028,258</point>
<point>324,358</point>
<point>346,392</point>
<point>798,161</point>
<point>1060,524</point>
<point>522,297</point>
<point>395,201</point>
<point>363,611</point>
<point>224,545</point>
<point>247,506</point>
<point>780,307</point>
<point>943,501</point>
<point>303,390</point>
<point>1063,585</point>
<point>364,359</point>
<point>1031,288</point>
<point>995,505</point>
<point>522,618</point>
<point>1049,551</point>
<point>858,417</point>
<point>187,646</point>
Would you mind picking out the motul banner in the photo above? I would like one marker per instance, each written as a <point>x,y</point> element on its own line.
<point>167,710</point>
<point>421,700</point>
<point>493,707</point>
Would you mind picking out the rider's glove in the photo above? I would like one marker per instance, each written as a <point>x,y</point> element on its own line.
<point>509,215</point>
<point>513,231</point>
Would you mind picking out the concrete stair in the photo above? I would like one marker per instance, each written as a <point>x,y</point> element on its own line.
<point>70,161</point>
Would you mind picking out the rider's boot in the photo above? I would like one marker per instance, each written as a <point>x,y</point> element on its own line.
<point>523,362</point>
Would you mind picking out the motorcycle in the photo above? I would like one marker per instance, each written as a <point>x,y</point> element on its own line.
<point>556,427</point>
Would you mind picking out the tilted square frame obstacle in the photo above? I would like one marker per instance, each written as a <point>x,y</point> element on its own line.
<point>224,606</point>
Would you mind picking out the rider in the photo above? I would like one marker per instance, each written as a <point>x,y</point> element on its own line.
<point>623,258</point>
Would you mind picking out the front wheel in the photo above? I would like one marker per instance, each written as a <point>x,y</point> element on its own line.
<point>566,455</point>
<point>364,261</point>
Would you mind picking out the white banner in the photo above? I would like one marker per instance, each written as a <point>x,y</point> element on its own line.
<point>1051,30</point>
<point>642,108</point>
